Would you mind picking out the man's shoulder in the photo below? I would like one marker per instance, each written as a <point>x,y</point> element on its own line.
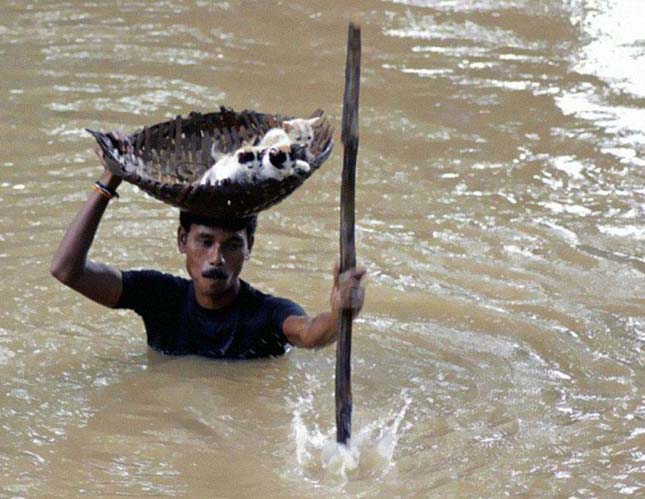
<point>154,275</point>
<point>144,287</point>
<point>253,296</point>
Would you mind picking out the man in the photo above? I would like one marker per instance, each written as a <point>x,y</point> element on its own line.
<point>215,313</point>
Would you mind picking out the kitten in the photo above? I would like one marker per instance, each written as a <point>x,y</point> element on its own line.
<point>296,131</point>
<point>280,161</point>
<point>242,166</point>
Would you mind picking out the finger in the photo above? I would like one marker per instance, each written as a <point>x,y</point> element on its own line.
<point>346,278</point>
<point>115,140</point>
<point>352,300</point>
<point>125,139</point>
<point>359,274</point>
<point>122,140</point>
<point>119,135</point>
<point>357,301</point>
<point>358,297</point>
<point>361,271</point>
<point>355,279</point>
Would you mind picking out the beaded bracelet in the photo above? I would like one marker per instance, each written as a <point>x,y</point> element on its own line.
<point>104,190</point>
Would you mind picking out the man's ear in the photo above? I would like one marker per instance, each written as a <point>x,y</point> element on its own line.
<point>182,239</point>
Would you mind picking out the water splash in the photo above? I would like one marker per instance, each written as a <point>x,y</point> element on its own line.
<point>368,454</point>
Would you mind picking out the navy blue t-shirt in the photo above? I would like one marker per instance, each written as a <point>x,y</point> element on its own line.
<point>176,324</point>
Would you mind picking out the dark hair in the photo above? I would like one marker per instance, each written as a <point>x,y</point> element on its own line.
<point>186,219</point>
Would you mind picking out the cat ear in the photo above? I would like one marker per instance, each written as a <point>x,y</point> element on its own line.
<point>287,126</point>
<point>313,121</point>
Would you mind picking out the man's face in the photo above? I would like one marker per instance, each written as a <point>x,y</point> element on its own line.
<point>214,258</point>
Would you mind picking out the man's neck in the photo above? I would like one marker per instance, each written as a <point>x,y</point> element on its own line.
<point>214,302</point>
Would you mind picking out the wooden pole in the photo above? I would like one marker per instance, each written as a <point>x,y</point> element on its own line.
<point>347,246</point>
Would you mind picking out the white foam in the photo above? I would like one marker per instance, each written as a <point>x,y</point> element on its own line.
<point>5,355</point>
<point>635,232</point>
<point>369,453</point>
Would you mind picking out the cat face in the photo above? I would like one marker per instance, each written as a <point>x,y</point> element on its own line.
<point>301,131</point>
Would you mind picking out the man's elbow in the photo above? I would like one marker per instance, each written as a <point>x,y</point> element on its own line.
<point>311,333</point>
<point>300,339</point>
<point>309,343</point>
<point>63,275</point>
<point>312,341</point>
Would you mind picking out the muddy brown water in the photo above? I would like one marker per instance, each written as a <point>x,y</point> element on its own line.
<point>500,213</point>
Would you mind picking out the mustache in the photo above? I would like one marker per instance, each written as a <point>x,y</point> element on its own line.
<point>214,274</point>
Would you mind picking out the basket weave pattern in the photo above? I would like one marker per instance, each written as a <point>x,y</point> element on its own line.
<point>169,159</point>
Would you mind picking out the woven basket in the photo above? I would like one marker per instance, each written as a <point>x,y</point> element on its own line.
<point>169,158</point>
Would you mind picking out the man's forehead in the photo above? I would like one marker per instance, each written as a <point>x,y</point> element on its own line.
<point>217,232</point>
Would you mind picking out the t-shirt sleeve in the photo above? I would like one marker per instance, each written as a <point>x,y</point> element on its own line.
<point>147,290</point>
<point>283,308</point>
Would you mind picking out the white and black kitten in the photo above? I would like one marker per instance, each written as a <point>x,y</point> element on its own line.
<point>281,160</point>
<point>243,165</point>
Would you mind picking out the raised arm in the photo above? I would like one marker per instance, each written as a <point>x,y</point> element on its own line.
<point>70,265</point>
<point>348,292</point>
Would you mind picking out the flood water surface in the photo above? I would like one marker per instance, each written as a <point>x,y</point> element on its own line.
<point>500,205</point>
